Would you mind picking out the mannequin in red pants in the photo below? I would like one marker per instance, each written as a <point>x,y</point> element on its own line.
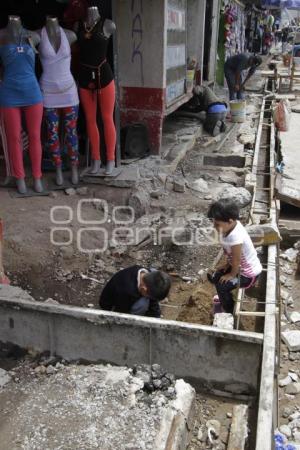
<point>105,98</point>
<point>12,121</point>
<point>97,86</point>
<point>20,94</point>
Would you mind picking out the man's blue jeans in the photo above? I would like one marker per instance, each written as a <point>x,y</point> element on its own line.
<point>230,78</point>
<point>140,307</point>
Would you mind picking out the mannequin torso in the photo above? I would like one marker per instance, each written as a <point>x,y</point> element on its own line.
<point>54,35</point>
<point>14,33</point>
<point>93,17</point>
<point>95,72</point>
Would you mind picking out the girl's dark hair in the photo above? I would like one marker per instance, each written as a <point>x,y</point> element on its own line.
<point>224,210</point>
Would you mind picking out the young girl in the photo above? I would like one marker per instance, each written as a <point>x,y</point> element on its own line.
<point>243,266</point>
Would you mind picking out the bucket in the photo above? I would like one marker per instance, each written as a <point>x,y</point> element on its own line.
<point>238,111</point>
<point>190,75</point>
<point>217,307</point>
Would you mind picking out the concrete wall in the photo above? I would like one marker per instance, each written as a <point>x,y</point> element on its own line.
<point>141,40</point>
<point>208,357</point>
<point>195,30</point>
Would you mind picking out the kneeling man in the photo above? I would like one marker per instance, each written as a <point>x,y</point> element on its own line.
<point>136,290</point>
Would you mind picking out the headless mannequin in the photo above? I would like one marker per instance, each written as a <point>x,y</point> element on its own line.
<point>54,36</point>
<point>14,33</point>
<point>92,18</point>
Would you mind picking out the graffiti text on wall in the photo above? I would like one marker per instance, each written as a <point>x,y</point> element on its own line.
<point>137,36</point>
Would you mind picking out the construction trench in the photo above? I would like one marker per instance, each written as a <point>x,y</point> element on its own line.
<point>82,378</point>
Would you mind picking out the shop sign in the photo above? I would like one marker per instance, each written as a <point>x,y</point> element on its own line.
<point>175,90</point>
<point>175,56</point>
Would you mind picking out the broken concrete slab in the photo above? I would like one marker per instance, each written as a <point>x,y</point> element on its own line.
<point>239,428</point>
<point>221,160</point>
<point>290,254</point>
<point>95,406</point>
<point>292,339</point>
<point>288,184</point>
<point>265,234</point>
<point>14,293</point>
<point>199,185</point>
<point>4,378</point>
<point>128,178</point>
<point>179,185</point>
<point>224,321</point>
<point>239,195</point>
<point>293,389</point>
<point>139,201</point>
<point>295,317</point>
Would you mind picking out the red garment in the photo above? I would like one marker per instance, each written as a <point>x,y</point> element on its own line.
<point>13,128</point>
<point>105,97</point>
<point>75,12</point>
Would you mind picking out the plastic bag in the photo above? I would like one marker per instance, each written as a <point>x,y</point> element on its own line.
<point>282,115</point>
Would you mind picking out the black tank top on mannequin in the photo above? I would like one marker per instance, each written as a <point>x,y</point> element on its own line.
<point>94,72</point>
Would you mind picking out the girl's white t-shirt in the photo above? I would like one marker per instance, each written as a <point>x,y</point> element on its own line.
<point>250,264</point>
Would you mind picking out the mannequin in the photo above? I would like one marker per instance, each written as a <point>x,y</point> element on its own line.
<point>97,86</point>
<point>60,94</point>
<point>20,93</point>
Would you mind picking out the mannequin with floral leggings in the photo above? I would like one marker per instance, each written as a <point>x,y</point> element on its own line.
<point>60,95</point>
<point>97,86</point>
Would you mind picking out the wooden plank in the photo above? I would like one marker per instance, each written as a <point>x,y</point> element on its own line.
<point>239,428</point>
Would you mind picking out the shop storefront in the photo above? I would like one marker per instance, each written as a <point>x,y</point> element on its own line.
<point>155,55</point>
<point>231,33</point>
<point>160,48</point>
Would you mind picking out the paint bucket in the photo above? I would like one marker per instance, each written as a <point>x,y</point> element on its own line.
<point>217,307</point>
<point>238,111</point>
<point>190,75</point>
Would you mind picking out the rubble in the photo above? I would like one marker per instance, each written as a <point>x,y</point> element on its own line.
<point>238,195</point>
<point>290,255</point>
<point>179,185</point>
<point>140,202</point>
<point>95,406</point>
<point>4,378</point>
<point>265,234</point>
<point>292,339</point>
<point>285,381</point>
<point>295,317</point>
<point>82,190</point>
<point>199,185</point>
<point>224,321</point>
<point>293,389</point>
<point>70,191</point>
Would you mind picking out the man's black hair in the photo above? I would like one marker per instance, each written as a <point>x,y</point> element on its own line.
<point>256,61</point>
<point>224,210</point>
<point>158,284</point>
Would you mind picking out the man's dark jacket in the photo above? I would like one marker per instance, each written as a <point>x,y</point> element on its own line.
<point>121,292</point>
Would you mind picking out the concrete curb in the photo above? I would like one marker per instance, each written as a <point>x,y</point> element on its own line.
<point>174,433</point>
<point>189,351</point>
